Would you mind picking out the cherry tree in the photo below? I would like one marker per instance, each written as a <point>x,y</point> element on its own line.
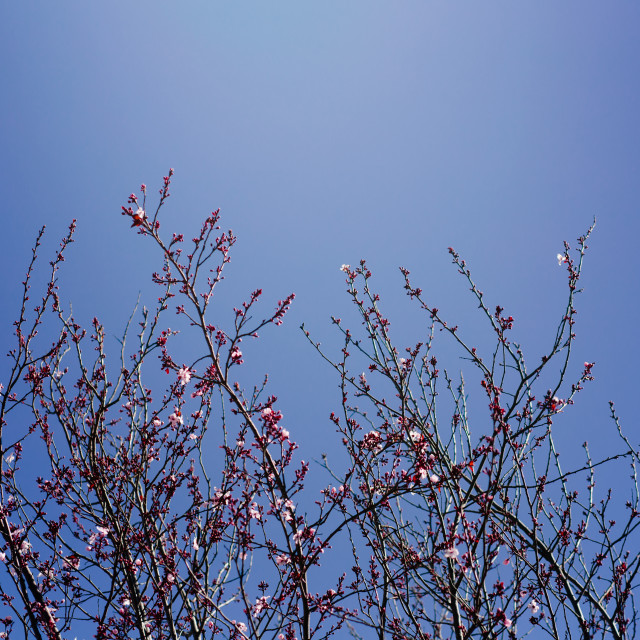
<point>147,493</point>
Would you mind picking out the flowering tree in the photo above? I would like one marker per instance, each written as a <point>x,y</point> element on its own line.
<point>176,510</point>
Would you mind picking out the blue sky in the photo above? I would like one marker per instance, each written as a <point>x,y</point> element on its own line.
<point>327,132</point>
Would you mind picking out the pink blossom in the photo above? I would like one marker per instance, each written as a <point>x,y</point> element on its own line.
<point>260,606</point>
<point>373,441</point>
<point>3,556</point>
<point>221,498</point>
<point>267,411</point>
<point>289,508</point>
<point>345,268</point>
<point>451,554</point>
<point>533,607</point>
<point>240,626</point>
<point>176,418</point>
<point>561,259</point>
<point>103,531</point>
<point>196,546</point>
<point>138,217</point>
<point>184,375</point>
<point>283,559</point>
<point>254,513</point>
<point>434,478</point>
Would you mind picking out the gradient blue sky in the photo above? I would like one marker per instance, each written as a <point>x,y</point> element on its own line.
<point>331,131</point>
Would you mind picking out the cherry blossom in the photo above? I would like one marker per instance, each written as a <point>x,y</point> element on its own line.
<point>260,605</point>
<point>138,217</point>
<point>451,553</point>
<point>184,375</point>
<point>236,355</point>
<point>254,512</point>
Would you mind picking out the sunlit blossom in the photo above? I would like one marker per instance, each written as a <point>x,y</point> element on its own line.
<point>451,554</point>
<point>260,606</point>
<point>533,607</point>
<point>138,217</point>
<point>254,512</point>
<point>373,441</point>
<point>345,268</point>
<point>184,375</point>
<point>236,355</point>
<point>561,259</point>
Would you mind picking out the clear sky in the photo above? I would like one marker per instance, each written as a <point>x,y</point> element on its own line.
<point>331,131</point>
